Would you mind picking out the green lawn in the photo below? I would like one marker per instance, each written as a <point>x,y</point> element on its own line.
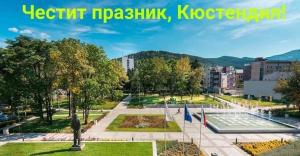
<point>90,149</point>
<point>78,112</point>
<point>105,104</point>
<point>61,124</point>
<point>115,125</point>
<point>253,102</point>
<point>156,99</point>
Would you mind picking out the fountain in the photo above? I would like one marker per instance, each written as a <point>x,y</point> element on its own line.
<point>238,122</point>
<point>270,114</point>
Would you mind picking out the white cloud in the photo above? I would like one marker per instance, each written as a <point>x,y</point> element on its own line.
<point>247,29</point>
<point>82,29</point>
<point>106,31</point>
<point>154,28</point>
<point>2,44</point>
<point>26,31</point>
<point>283,41</point>
<point>44,35</point>
<point>124,48</point>
<point>13,29</point>
<point>73,31</point>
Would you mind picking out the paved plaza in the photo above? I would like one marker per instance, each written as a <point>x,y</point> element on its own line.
<point>211,142</point>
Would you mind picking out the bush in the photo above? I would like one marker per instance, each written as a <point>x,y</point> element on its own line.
<point>280,112</point>
<point>292,149</point>
<point>117,95</point>
<point>256,148</point>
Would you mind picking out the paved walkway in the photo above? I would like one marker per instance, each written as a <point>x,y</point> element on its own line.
<point>211,142</point>
<point>222,144</point>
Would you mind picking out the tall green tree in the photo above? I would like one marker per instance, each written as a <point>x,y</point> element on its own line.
<point>28,74</point>
<point>160,75</point>
<point>118,78</point>
<point>72,61</point>
<point>182,71</point>
<point>195,81</point>
<point>290,88</point>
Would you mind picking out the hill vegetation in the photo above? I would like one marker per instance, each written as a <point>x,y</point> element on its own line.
<point>222,61</point>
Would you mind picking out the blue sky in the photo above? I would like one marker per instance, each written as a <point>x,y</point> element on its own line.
<point>202,38</point>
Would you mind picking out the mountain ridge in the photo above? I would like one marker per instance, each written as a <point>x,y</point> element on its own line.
<point>237,62</point>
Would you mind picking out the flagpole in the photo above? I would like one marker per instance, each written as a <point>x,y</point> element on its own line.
<point>165,137</point>
<point>183,136</point>
<point>165,128</point>
<point>200,139</point>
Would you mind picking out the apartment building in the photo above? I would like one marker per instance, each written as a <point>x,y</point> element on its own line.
<point>221,79</point>
<point>127,63</point>
<point>264,76</point>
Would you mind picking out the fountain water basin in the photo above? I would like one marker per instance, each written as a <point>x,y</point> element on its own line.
<point>243,122</point>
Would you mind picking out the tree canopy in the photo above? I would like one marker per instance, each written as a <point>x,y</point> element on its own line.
<point>290,88</point>
<point>31,70</point>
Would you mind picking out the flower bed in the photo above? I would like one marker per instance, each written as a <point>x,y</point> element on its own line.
<point>175,148</point>
<point>256,148</point>
<point>143,123</point>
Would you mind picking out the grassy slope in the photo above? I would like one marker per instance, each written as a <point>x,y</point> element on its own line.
<point>90,149</point>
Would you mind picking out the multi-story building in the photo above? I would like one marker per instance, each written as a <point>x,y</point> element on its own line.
<point>264,77</point>
<point>239,78</point>
<point>212,80</point>
<point>262,69</point>
<point>219,79</point>
<point>127,63</point>
<point>247,72</point>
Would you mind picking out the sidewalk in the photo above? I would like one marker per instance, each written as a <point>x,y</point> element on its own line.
<point>211,142</point>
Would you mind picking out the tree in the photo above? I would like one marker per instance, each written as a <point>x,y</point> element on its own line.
<point>182,71</point>
<point>45,71</point>
<point>28,74</point>
<point>160,75</point>
<point>145,75</point>
<point>196,77</point>
<point>290,88</point>
<point>72,60</point>
<point>101,78</point>
<point>118,78</point>
<point>135,82</point>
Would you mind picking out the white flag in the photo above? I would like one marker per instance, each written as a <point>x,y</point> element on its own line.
<point>168,116</point>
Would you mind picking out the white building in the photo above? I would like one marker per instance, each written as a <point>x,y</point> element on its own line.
<point>127,63</point>
<point>264,77</point>
<point>261,89</point>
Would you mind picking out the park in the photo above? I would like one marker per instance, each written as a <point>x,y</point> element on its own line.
<point>68,98</point>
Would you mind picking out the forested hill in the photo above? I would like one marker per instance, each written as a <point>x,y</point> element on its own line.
<point>291,56</point>
<point>222,61</point>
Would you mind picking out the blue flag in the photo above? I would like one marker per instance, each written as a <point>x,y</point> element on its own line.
<point>187,115</point>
